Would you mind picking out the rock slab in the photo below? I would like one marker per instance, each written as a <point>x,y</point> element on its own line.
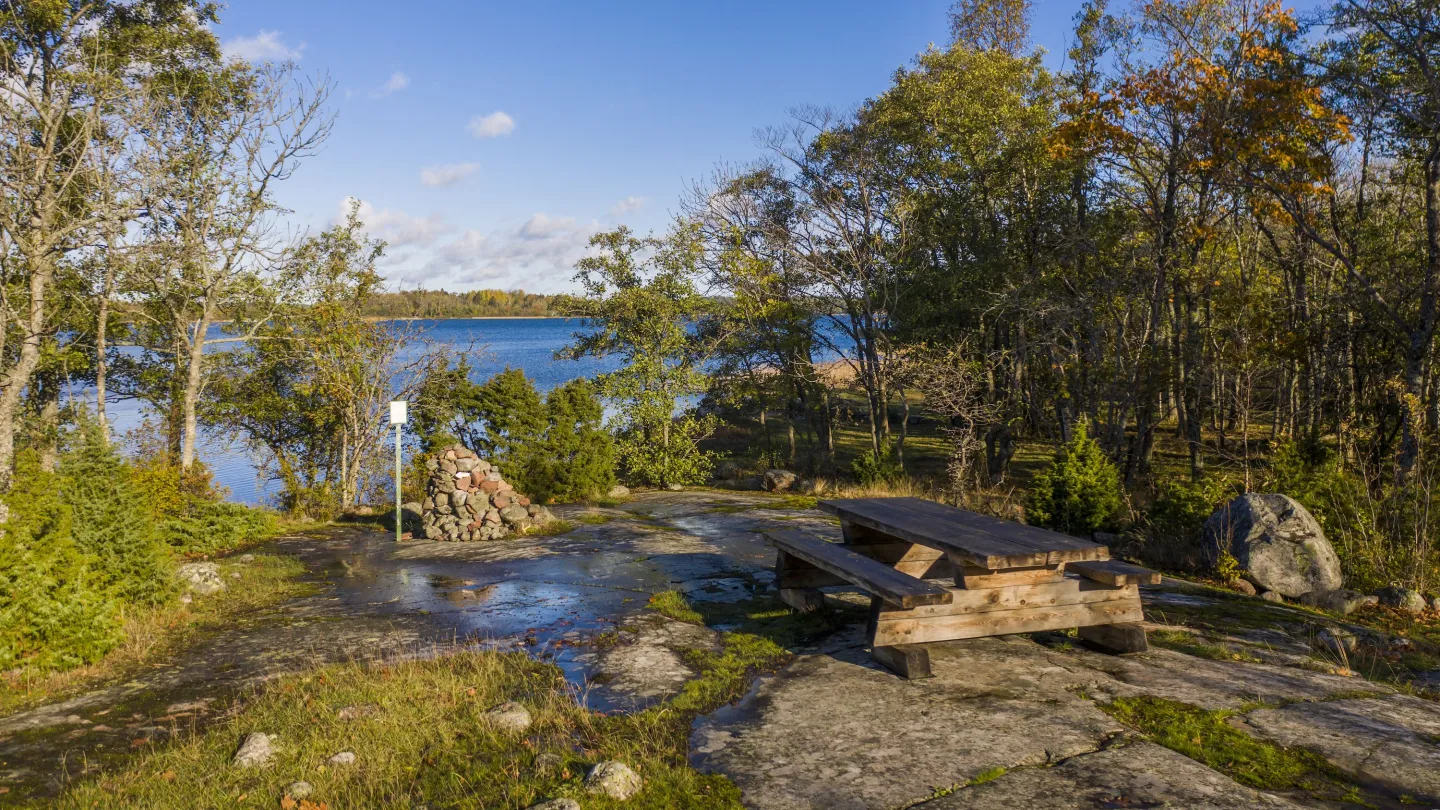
<point>613,779</point>
<point>256,751</point>
<point>1279,544</point>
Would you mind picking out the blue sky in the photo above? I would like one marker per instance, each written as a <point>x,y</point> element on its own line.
<point>488,140</point>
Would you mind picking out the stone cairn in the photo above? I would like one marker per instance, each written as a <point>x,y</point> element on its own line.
<point>466,499</point>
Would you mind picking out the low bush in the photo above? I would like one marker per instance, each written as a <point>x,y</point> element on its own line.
<point>1173,523</point>
<point>1080,492</point>
<point>56,611</point>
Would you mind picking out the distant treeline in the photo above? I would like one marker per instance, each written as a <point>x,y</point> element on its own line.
<point>444,304</point>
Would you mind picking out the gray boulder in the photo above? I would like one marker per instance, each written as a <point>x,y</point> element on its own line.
<point>778,480</point>
<point>1279,544</point>
<point>510,716</point>
<point>1272,596</point>
<point>1402,599</point>
<point>1340,600</point>
<point>201,577</point>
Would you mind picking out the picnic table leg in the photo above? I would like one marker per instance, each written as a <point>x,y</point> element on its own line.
<point>1127,637</point>
<point>909,661</point>
<point>804,600</point>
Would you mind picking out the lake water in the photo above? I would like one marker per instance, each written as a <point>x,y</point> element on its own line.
<point>490,344</point>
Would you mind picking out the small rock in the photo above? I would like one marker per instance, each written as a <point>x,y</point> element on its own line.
<point>1340,600</point>
<point>510,716</point>
<point>619,491</point>
<point>247,558</point>
<point>613,779</point>
<point>343,758</point>
<point>556,804</point>
<point>1272,596</point>
<point>235,575</point>
<point>1243,586</point>
<point>1402,599</point>
<point>299,790</point>
<point>256,751</point>
<point>548,763</point>
<point>202,577</point>
<point>186,599</point>
<point>675,488</point>
<point>1435,603</point>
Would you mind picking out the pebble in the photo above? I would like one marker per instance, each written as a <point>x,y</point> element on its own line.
<point>556,804</point>
<point>343,758</point>
<point>1272,596</point>
<point>299,790</point>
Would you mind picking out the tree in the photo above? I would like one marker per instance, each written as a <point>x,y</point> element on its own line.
<point>72,72</point>
<point>575,459</point>
<point>1080,492</point>
<point>213,154</point>
<point>641,301</point>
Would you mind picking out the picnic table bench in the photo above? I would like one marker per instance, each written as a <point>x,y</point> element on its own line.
<point>1008,578</point>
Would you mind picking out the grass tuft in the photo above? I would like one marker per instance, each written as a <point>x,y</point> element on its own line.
<point>671,604</point>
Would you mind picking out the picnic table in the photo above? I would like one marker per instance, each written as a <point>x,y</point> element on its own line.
<point>1008,578</point>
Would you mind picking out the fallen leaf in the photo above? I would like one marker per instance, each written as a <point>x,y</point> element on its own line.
<point>168,776</point>
<point>287,803</point>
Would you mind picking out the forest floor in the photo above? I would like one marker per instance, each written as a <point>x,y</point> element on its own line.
<point>659,616</point>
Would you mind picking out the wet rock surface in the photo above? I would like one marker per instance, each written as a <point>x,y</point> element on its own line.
<point>831,730</point>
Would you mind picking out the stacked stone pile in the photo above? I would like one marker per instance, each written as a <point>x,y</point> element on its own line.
<point>466,499</point>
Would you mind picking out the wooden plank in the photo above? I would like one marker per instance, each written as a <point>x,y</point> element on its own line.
<point>989,542</point>
<point>909,661</point>
<point>1032,536</point>
<point>893,631</point>
<point>1116,638</point>
<point>894,587</point>
<point>972,577</point>
<point>963,601</point>
<point>980,548</point>
<point>922,563</point>
<point>1116,572</point>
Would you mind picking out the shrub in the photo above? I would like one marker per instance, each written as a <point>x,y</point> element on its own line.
<point>1174,521</point>
<point>658,453</point>
<point>869,470</point>
<point>111,522</point>
<point>1080,492</point>
<point>576,458</point>
<point>513,418</point>
<point>191,515</point>
<point>55,611</point>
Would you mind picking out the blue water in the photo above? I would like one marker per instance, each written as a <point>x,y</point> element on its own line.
<point>490,344</point>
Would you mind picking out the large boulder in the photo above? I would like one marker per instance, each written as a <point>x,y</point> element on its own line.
<point>1279,544</point>
<point>778,480</point>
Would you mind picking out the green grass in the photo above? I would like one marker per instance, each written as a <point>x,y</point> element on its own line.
<point>427,744</point>
<point>152,634</point>
<point>594,518</point>
<point>551,529</point>
<point>673,605</point>
<point>1205,737</point>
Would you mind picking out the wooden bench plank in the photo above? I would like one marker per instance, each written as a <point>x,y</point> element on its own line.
<point>1115,572</point>
<point>876,578</point>
<point>983,549</point>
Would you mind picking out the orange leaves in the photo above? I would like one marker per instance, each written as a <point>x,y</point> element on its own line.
<point>288,803</point>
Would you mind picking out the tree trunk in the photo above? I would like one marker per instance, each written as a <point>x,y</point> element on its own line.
<point>20,374</point>
<point>194,375</point>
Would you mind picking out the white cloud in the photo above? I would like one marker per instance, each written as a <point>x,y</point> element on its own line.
<point>266,46</point>
<point>447,175</point>
<point>398,228</point>
<point>541,226</point>
<point>491,126</point>
<point>539,255</point>
<point>629,205</point>
<point>398,81</point>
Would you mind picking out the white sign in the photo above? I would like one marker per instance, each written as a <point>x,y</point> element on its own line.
<point>397,412</point>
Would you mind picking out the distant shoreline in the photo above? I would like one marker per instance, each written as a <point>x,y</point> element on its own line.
<point>374,318</point>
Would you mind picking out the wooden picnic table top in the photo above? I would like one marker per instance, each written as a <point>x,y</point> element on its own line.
<point>988,542</point>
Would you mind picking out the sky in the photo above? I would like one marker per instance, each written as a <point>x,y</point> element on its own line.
<point>487,141</point>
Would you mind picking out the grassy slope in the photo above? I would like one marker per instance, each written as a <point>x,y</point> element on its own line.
<point>152,634</point>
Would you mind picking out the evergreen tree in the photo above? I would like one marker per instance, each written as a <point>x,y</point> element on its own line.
<point>577,458</point>
<point>111,523</point>
<point>1080,492</point>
